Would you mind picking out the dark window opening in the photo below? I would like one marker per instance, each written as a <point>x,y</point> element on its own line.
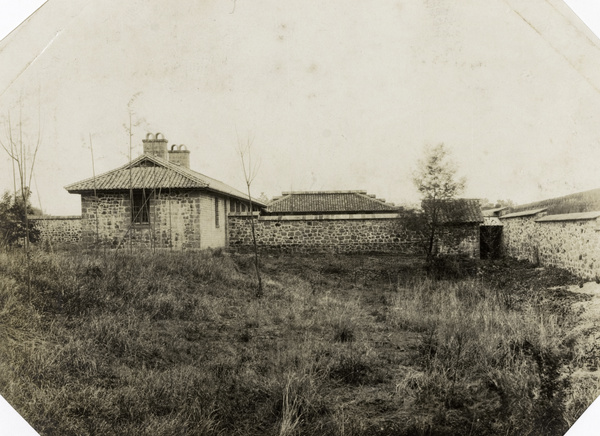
<point>216,212</point>
<point>140,210</point>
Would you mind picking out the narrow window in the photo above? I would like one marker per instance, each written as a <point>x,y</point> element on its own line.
<point>139,209</point>
<point>216,212</point>
<point>231,205</point>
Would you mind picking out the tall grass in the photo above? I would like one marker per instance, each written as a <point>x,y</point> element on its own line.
<point>485,367</point>
<point>179,343</point>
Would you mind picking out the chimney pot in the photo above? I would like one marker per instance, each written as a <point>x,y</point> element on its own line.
<point>179,155</point>
<point>155,145</point>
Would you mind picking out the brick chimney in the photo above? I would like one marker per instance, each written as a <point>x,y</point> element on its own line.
<point>179,155</point>
<point>155,145</point>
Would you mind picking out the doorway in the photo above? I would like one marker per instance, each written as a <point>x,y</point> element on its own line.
<point>490,240</point>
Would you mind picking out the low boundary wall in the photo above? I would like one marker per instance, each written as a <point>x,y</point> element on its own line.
<point>351,233</point>
<point>569,241</point>
<point>58,229</point>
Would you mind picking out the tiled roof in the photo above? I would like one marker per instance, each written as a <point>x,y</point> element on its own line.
<point>328,202</point>
<point>524,213</point>
<point>151,172</point>
<point>456,211</point>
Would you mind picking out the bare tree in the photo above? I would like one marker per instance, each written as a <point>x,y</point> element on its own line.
<point>435,178</point>
<point>250,171</point>
<point>19,151</point>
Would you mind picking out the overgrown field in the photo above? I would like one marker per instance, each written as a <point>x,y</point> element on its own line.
<point>180,343</point>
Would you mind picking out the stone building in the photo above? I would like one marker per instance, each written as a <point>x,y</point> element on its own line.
<point>458,223</point>
<point>157,201</point>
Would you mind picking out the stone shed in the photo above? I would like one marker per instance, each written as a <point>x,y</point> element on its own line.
<point>458,221</point>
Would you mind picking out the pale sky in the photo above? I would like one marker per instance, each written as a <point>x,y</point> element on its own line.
<point>323,81</point>
<point>13,12</point>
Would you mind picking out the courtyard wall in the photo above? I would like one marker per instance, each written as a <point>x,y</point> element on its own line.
<point>355,233</point>
<point>58,229</point>
<point>569,241</point>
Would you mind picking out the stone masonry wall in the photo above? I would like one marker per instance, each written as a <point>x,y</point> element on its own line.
<point>573,245</point>
<point>309,234</point>
<point>58,229</point>
<point>518,235</point>
<point>462,240</point>
<point>104,217</point>
<point>174,221</point>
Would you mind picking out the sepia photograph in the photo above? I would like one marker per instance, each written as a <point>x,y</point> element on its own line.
<point>288,218</point>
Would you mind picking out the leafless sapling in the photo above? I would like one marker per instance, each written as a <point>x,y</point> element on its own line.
<point>250,171</point>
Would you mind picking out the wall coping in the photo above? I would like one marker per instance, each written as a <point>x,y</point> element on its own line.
<point>523,213</point>
<point>243,214</point>
<point>54,217</point>
<point>570,217</point>
<point>337,217</point>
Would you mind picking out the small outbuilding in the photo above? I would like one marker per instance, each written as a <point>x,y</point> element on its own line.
<point>459,222</point>
<point>157,201</point>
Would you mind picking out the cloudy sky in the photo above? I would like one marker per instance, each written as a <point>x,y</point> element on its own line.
<point>336,96</point>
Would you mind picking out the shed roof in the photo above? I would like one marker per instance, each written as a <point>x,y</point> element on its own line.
<point>328,202</point>
<point>524,213</point>
<point>456,211</point>
<point>151,172</point>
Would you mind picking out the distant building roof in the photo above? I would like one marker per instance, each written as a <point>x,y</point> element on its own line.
<point>586,201</point>
<point>152,172</point>
<point>456,211</point>
<point>493,212</point>
<point>302,202</point>
<point>529,212</point>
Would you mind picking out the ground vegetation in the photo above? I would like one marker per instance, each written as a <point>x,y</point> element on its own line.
<point>177,343</point>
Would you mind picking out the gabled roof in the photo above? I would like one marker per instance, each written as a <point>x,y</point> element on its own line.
<point>456,211</point>
<point>151,172</point>
<point>328,202</point>
<point>524,213</point>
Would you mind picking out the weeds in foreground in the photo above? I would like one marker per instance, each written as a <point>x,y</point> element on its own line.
<point>480,360</point>
<point>178,343</point>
